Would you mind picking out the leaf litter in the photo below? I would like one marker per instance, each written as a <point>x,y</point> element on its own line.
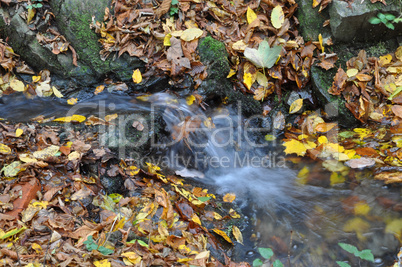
<point>51,208</point>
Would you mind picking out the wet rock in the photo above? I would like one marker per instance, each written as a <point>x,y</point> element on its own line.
<point>333,105</point>
<point>213,54</point>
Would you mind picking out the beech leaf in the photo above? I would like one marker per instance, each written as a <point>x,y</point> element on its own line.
<point>264,56</point>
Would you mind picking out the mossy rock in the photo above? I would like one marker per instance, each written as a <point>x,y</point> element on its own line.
<point>213,54</point>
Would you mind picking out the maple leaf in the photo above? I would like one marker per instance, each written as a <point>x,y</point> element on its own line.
<point>264,56</point>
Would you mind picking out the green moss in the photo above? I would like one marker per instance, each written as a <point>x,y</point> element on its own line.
<point>212,50</point>
<point>87,44</point>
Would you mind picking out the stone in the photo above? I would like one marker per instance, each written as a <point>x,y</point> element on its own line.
<point>350,22</point>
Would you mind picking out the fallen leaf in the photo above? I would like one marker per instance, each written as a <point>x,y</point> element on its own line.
<point>229,197</point>
<point>191,34</point>
<point>72,101</point>
<point>223,234</point>
<point>237,234</point>
<point>137,77</point>
<point>264,56</point>
<point>296,106</point>
<point>277,17</point>
<point>294,146</point>
<point>251,16</point>
<point>4,149</point>
<point>360,163</point>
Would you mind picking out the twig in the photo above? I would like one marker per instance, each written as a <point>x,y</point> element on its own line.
<point>18,256</point>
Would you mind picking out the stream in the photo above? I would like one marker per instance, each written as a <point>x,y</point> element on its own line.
<point>302,222</point>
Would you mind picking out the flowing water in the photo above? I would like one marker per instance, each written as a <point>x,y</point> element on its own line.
<point>302,222</point>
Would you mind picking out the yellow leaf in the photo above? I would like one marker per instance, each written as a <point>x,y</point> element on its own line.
<point>74,118</point>
<point>4,149</point>
<point>31,14</point>
<point>191,34</point>
<point>361,208</point>
<point>248,80</point>
<point>74,155</point>
<point>296,106</point>
<point>196,219</point>
<point>303,175</point>
<point>18,132</point>
<point>208,123</point>
<point>47,152</point>
<point>294,146</point>
<point>111,117</point>
<point>223,234</point>
<point>137,77</point>
<point>190,100</point>
<point>231,73</point>
<point>357,225</point>
<point>262,79</point>
<point>12,169</point>
<point>17,85</point>
<point>320,41</point>
<point>166,40</point>
<point>132,170</point>
<point>251,16</point>
<point>56,92</point>
<point>322,139</point>
<point>72,101</point>
<point>352,72</point>
<point>102,263</point>
<point>277,17</point>
<point>395,227</point>
<point>202,255</point>
<point>229,197</point>
<point>132,257</point>
<point>336,178</point>
<point>363,132</point>
<point>27,159</point>
<point>398,53</point>
<point>36,79</point>
<point>385,60</point>
<point>237,234</point>
<point>234,214</point>
<point>36,247</point>
<point>239,45</point>
<point>217,216</point>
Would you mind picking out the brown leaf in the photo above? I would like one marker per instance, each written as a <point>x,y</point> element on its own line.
<point>163,8</point>
<point>360,163</point>
<point>175,54</point>
<point>397,110</point>
<point>339,82</point>
<point>28,192</point>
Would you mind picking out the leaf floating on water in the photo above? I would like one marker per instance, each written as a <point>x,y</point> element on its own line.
<point>294,146</point>
<point>237,234</point>
<point>190,100</point>
<point>229,197</point>
<point>360,163</point>
<point>72,101</point>
<point>264,56</point>
<point>111,117</point>
<point>296,106</point>
<point>74,118</point>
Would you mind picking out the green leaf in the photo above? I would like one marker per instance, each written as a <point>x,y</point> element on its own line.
<point>267,253</point>
<point>347,134</point>
<point>365,255</point>
<point>12,232</point>
<point>142,243</point>
<point>390,25</point>
<point>265,56</point>
<point>374,20</point>
<point>397,20</point>
<point>349,248</point>
<point>343,264</point>
<point>257,263</point>
<point>395,93</point>
<point>381,16</point>
<point>203,199</point>
<point>105,251</point>
<point>174,2</point>
<point>90,244</point>
<point>389,17</point>
<point>278,263</point>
